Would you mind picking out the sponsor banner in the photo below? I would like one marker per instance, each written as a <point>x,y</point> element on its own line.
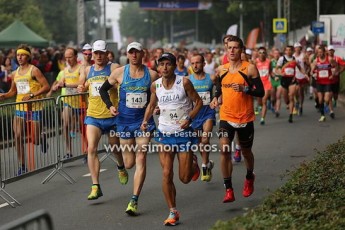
<point>174,5</point>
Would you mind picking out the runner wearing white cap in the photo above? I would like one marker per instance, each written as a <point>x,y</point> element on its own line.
<point>133,81</point>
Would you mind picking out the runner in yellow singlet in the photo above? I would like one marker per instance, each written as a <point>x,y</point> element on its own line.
<point>72,108</point>
<point>28,84</point>
<point>98,119</point>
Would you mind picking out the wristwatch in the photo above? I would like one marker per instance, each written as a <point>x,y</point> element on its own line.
<point>32,95</point>
<point>189,119</point>
<point>246,89</point>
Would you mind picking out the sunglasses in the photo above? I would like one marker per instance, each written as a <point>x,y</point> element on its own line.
<point>88,54</point>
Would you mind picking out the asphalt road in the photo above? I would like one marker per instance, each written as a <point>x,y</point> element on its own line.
<point>278,147</point>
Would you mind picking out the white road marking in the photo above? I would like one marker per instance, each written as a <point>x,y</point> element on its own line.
<point>89,174</point>
<point>3,205</point>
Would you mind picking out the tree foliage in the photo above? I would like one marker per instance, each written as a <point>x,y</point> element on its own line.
<point>57,20</point>
<point>61,16</point>
<point>213,23</point>
<point>26,11</point>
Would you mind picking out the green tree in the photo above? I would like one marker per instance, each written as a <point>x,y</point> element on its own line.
<point>213,23</point>
<point>61,16</point>
<point>26,11</point>
<point>132,21</point>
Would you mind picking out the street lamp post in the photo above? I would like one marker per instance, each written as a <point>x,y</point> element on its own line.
<point>104,20</point>
<point>80,21</point>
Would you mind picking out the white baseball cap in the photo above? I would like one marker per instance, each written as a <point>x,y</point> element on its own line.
<point>297,44</point>
<point>87,46</point>
<point>134,45</point>
<point>330,47</point>
<point>309,49</point>
<point>99,45</point>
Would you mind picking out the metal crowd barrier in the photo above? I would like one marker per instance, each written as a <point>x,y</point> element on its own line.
<point>26,128</point>
<point>39,220</point>
<point>57,136</point>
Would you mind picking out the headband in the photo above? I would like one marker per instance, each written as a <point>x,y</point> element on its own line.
<point>23,51</point>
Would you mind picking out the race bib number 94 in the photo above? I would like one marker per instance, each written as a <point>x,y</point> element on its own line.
<point>172,116</point>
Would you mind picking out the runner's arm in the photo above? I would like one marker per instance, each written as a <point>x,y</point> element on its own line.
<point>150,107</point>
<point>12,92</point>
<point>257,88</point>
<point>42,80</point>
<point>108,84</point>
<point>194,96</point>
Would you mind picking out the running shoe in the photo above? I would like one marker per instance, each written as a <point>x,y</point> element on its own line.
<point>262,121</point>
<point>67,156</point>
<point>72,134</point>
<point>196,168</point>
<point>300,113</point>
<point>44,145</point>
<point>132,208</point>
<point>326,109</point>
<point>237,156</point>
<point>208,175</point>
<point>322,119</point>
<point>294,112</point>
<point>334,103</point>
<point>22,170</point>
<point>332,115</point>
<point>248,187</point>
<point>290,119</point>
<point>123,176</point>
<point>229,196</point>
<point>85,159</point>
<point>173,218</point>
<point>209,169</point>
<point>204,176</point>
<point>277,114</point>
<point>96,192</point>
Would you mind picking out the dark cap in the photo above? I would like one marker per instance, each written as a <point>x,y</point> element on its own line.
<point>168,56</point>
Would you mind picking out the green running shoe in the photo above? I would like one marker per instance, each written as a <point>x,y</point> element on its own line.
<point>96,192</point>
<point>123,176</point>
<point>132,208</point>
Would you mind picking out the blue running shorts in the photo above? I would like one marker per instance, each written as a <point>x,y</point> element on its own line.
<point>104,124</point>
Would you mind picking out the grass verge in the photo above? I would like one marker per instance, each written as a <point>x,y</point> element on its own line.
<point>313,197</point>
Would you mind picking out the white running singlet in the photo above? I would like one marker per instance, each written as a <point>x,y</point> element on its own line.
<point>174,105</point>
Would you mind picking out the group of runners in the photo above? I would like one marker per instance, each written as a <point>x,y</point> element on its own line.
<point>124,99</point>
<point>297,72</point>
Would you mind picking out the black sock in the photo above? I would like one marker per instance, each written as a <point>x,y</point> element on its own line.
<point>250,174</point>
<point>135,198</point>
<point>227,183</point>
<point>322,109</point>
<point>120,167</point>
<point>204,170</point>
<point>97,185</point>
